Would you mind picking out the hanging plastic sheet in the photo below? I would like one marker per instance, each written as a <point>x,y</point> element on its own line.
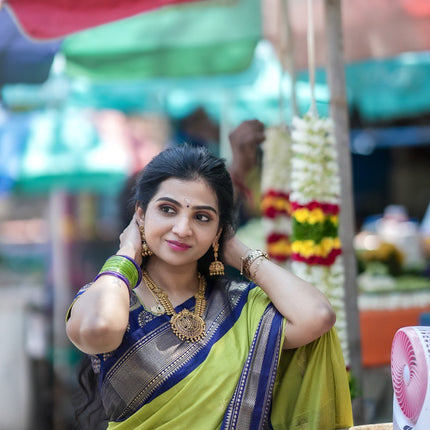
<point>23,60</point>
<point>47,19</point>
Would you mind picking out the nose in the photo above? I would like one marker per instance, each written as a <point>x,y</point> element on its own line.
<point>182,227</point>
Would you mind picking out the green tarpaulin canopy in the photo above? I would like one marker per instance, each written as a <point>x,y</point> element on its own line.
<point>196,39</point>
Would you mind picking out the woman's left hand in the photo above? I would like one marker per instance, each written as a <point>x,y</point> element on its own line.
<point>307,312</point>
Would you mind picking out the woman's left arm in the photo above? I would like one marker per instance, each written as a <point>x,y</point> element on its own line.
<point>307,311</point>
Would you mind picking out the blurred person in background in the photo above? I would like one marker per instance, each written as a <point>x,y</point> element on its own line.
<point>245,168</point>
<point>175,344</point>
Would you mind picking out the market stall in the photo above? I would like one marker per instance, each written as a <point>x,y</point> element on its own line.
<point>394,290</point>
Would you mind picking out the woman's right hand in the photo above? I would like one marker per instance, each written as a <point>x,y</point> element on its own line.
<point>99,317</point>
<point>130,242</point>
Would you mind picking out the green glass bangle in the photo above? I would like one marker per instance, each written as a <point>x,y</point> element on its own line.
<point>124,266</point>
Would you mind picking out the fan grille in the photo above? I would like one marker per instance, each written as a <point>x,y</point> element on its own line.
<point>409,369</point>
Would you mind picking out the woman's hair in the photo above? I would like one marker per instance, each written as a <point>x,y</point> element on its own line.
<point>187,163</point>
<point>89,413</point>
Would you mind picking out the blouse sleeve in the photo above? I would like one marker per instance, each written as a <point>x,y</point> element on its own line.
<point>78,294</point>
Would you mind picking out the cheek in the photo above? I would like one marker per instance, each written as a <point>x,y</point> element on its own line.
<point>153,228</point>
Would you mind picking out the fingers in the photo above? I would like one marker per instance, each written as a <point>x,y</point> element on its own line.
<point>250,132</point>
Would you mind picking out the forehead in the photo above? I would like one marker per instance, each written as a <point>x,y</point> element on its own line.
<point>195,192</point>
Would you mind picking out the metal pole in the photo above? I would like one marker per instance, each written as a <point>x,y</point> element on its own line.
<point>339,113</point>
<point>61,301</point>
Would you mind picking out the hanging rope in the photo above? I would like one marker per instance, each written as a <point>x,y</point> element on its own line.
<point>287,57</point>
<point>282,58</point>
<point>290,58</point>
<point>311,56</point>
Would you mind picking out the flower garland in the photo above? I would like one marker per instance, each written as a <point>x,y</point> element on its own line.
<point>275,184</point>
<point>315,190</point>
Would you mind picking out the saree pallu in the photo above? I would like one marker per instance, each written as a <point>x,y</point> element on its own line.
<point>237,377</point>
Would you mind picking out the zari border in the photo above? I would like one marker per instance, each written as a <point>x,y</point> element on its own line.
<point>251,402</point>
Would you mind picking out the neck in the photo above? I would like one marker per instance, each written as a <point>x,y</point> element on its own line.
<point>178,281</point>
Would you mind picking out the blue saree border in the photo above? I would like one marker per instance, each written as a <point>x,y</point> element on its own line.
<point>268,376</point>
<point>238,410</point>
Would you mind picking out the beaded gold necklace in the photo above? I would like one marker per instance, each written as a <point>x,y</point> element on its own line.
<point>187,325</point>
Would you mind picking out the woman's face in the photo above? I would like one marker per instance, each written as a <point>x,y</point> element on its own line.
<point>181,220</point>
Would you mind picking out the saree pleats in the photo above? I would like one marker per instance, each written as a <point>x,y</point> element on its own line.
<point>312,391</point>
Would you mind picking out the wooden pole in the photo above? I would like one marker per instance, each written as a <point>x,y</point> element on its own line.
<point>339,114</point>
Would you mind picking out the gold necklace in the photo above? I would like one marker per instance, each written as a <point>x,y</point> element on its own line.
<point>156,309</point>
<point>186,325</point>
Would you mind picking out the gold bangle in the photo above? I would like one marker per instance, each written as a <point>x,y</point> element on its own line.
<point>245,262</point>
<point>260,259</point>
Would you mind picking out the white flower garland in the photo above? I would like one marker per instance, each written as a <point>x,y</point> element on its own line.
<point>315,180</point>
<point>276,160</point>
<point>314,163</point>
<point>275,186</point>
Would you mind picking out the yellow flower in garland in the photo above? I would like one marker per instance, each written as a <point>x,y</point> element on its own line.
<point>280,248</point>
<point>308,248</point>
<point>275,203</point>
<point>316,215</point>
<point>301,215</point>
<point>313,216</point>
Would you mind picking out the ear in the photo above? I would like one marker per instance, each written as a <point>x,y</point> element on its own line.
<point>217,236</point>
<point>140,214</point>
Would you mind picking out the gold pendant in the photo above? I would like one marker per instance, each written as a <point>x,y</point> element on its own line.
<point>188,326</point>
<point>158,310</point>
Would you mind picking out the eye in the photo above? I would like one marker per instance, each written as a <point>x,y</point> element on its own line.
<point>167,209</point>
<point>203,217</point>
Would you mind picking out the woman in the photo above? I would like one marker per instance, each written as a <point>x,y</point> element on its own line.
<point>178,345</point>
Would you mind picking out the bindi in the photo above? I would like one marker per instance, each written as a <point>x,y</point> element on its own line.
<point>188,202</point>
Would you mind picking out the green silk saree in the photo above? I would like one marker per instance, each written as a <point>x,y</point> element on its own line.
<point>237,377</point>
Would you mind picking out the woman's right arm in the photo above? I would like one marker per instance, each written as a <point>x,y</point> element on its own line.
<point>99,317</point>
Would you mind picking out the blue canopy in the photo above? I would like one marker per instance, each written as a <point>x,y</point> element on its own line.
<point>22,60</point>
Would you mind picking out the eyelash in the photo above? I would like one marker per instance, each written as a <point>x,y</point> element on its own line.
<point>169,210</point>
<point>208,218</point>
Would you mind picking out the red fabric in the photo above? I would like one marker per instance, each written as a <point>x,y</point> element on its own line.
<point>48,19</point>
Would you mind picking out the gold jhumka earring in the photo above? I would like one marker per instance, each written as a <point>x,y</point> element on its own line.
<point>146,251</point>
<point>216,267</point>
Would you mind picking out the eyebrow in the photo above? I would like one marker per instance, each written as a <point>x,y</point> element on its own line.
<point>175,202</point>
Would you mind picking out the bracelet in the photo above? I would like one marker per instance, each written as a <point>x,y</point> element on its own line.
<point>260,259</point>
<point>124,268</point>
<point>245,262</point>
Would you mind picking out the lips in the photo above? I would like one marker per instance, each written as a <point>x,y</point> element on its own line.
<point>178,246</point>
